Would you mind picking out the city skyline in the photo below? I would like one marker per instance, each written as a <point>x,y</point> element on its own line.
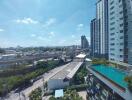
<point>45,22</point>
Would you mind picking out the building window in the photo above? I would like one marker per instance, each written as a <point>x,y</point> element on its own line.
<point>112,18</point>
<point>121,25</point>
<point>121,18</point>
<point>112,23</point>
<point>112,49</point>
<point>121,49</point>
<point>121,31</point>
<point>112,54</point>
<point>112,44</point>
<point>119,1</point>
<point>112,8</point>
<point>112,28</point>
<point>111,2</point>
<point>121,37</point>
<point>112,33</point>
<point>112,13</point>
<point>121,12</point>
<point>121,43</point>
<point>121,56</point>
<point>112,39</point>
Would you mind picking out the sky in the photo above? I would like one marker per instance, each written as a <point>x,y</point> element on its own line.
<point>45,22</point>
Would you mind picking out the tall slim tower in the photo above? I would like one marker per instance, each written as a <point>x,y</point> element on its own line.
<point>99,29</point>
<point>84,42</point>
<point>94,39</point>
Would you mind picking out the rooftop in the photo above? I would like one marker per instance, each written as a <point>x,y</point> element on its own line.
<point>59,93</point>
<point>68,71</point>
<point>81,56</point>
<point>107,70</point>
<point>87,59</point>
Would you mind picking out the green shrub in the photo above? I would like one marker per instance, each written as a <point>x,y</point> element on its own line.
<point>78,87</point>
<point>128,79</point>
<point>79,76</point>
<point>36,94</point>
<point>100,61</point>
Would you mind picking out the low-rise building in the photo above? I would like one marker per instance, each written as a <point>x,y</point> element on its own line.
<point>62,79</point>
<point>8,57</point>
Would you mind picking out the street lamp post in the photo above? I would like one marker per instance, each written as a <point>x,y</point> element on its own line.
<point>43,87</point>
<point>19,96</point>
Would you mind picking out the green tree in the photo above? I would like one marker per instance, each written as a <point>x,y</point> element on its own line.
<point>79,77</point>
<point>36,94</point>
<point>52,98</point>
<point>128,79</point>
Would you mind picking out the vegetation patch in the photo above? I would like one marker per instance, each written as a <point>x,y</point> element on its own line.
<point>128,79</point>
<point>23,80</point>
<point>107,63</point>
<point>36,94</point>
<point>79,76</point>
<point>78,87</point>
<point>100,61</point>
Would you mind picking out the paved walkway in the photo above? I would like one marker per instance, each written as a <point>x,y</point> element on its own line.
<point>83,94</point>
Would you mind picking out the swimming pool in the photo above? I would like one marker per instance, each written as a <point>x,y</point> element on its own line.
<point>112,73</point>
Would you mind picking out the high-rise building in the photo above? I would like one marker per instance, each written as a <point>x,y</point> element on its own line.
<point>120,30</point>
<point>102,26</point>
<point>84,42</point>
<point>99,29</point>
<point>94,39</point>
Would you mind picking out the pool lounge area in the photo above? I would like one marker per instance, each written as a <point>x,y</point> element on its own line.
<point>112,73</point>
<point>106,82</point>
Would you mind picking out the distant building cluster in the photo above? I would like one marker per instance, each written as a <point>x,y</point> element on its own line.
<point>19,56</point>
<point>111,30</point>
<point>84,42</point>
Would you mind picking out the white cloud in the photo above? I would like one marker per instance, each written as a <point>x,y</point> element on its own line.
<point>33,35</point>
<point>73,36</point>
<point>26,21</point>
<point>1,30</point>
<point>49,22</point>
<point>51,34</point>
<point>80,26</point>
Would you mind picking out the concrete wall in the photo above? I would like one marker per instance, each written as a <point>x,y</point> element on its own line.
<point>57,84</point>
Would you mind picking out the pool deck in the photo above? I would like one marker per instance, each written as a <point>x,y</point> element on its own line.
<point>116,76</point>
<point>114,83</point>
<point>124,93</point>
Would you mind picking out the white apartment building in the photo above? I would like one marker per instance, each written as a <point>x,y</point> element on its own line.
<point>120,30</point>
<point>102,26</point>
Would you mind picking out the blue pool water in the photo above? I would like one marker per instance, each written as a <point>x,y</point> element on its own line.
<point>112,73</point>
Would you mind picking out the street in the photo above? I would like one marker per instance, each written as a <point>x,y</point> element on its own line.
<point>23,95</point>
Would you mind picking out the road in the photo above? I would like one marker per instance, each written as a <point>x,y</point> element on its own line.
<point>25,93</point>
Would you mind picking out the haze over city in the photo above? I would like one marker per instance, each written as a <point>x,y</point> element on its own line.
<point>65,49</point>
